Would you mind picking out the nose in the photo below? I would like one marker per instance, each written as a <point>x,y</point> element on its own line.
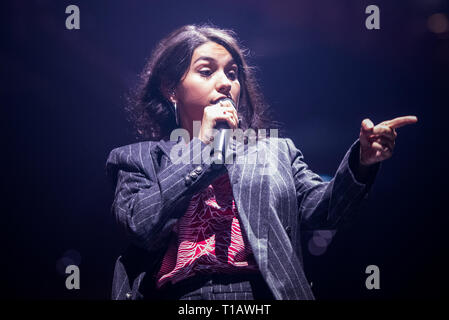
<point>224,85</point>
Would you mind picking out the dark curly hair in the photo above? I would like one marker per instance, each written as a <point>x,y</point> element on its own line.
<point>152,113</point>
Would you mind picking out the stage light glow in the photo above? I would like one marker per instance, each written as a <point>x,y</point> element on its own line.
<point>320,242</point>
<point>314,249</point>
<point>68,258</point>
<point>438,23</point>
<point>325,177</point>
<point>325,234</point>
<point>62,264</point>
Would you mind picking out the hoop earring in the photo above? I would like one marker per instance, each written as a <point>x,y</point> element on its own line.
<point>176,113</point>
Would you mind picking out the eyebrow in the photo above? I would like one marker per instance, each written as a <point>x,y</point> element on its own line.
<point>210,59</point>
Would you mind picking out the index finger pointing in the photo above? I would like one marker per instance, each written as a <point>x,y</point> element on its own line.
<point>400,121</point>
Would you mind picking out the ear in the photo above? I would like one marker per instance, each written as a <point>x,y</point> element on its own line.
<point>169,94</point>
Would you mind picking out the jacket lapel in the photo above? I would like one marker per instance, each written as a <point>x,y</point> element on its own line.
<point>166,145</point>
<point>251,199</point>
<point>161,153</point>
<point>250,193</point>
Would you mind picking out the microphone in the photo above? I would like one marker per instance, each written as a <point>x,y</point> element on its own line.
<point>221,140</point>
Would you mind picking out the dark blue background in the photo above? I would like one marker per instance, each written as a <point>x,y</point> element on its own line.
<point>321,70</point>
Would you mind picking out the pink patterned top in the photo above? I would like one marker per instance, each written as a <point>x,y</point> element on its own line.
<point>209,238</point>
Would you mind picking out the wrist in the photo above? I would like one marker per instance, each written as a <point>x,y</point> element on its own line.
<point>362,169</point>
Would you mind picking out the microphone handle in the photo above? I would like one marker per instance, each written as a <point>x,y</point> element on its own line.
<point>220,143</point>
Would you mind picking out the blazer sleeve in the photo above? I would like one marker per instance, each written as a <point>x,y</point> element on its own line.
<point>147,203</point>
<point>325,204</point>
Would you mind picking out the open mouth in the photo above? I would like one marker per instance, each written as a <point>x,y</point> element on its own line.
<point>221,98</point>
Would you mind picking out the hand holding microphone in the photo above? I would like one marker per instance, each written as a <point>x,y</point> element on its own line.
<point>221,116</point>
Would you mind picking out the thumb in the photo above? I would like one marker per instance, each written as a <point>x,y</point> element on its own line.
<point>367,125</point>
<point>366,130</point>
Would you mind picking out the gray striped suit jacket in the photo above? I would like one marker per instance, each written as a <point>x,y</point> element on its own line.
<point>277,197</point>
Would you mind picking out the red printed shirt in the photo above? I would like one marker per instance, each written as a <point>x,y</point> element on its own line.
<point>209,238</point>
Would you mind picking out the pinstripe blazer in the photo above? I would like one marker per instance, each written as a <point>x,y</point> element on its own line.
<point>277,197</point>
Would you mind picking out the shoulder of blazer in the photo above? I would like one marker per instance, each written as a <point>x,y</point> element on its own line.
<point>292,150</point>
<point>130,154</point>
<point>286,145</point>
<point>135,157</point>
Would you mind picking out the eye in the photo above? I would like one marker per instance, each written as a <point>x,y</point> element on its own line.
<point>232,75</point>
<point>205,73</point>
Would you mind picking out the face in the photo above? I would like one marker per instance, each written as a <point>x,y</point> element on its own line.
<point>212,74</point>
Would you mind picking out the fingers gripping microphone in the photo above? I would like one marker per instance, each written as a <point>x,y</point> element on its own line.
<point>221,140</point>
